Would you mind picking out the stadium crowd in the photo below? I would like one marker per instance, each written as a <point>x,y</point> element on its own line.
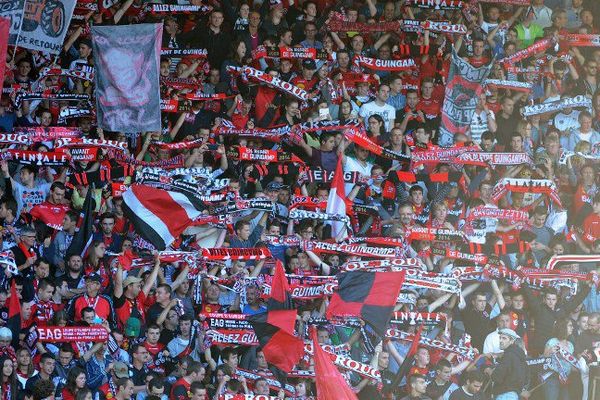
<point>496,222</point>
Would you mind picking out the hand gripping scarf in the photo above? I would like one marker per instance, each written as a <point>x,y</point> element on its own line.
<point>544,186</point>
<point>262,77</point>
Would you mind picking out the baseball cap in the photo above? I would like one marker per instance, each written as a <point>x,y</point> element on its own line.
<point>121,370</point>
<point>133,327</point>
<point>509,332</point>
<point>93,277</point>
<point>309,64</point>
<point>131,279</point>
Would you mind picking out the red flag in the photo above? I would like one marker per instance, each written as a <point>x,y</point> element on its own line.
<point>336,203</point>
<point>330,383</point>
<point>14,314</point>
<point>275,333</point>
<point>4,28</point>
<point>408,360</point>
<point>368,295</point>
<point>280,297</point>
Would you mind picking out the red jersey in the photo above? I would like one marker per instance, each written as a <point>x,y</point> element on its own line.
<point>430,107</point>
<point>591,228</point>
<point>304,83</point>
<point>100,304</point>
<point>479,61</point>
<point>43,311</point>
<point>180,390</point>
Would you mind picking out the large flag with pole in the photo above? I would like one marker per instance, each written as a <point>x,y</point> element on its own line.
<point>14,314</point>
<point>4,29</point>
<point>85,226</point>
<point>408,360</point>
<point>275,333</point>
<point>158,215</point>
<point>330,383</point>
<point>367,295</point>
<point>462,94</point>
<point>336,203</point>
<point>280,297</point>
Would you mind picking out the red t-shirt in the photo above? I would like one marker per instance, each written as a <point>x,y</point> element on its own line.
<point>591,227</point>
<point>180,390</point>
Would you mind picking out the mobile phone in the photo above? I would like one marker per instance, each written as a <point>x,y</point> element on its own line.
<point>324,112</point>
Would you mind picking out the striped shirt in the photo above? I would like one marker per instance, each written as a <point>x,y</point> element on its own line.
<point>479,124</point>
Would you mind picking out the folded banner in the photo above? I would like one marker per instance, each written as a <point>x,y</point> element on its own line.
<point>60,334</point>
<point>468,352</point>
<point>385,65</point>
<point>273,383</point>
<point>435,155</point>
<point>461,96</point>
<point>544,186</point>
<point>436,4</point>
<point>320,216</point>
<point>571,258</point>
<point>511,216</point>
<point>337,23</point>
<point>179,9</point>
<point>7,261</point>
<point>83,142</point>
<point>46,158</point>
<point>510,85</point>
<point>49,95</point>
<point>568,102</point>
<point>492,159</point>
<point>357,250</point>
<point>262,77</point>
<point>127,60</point>
<point>227,253</point>
<point>273,134</point>
<point>70,112</point>
<point>180,83</point>
<point>394,264</point>
<point>580,40</point>
<point>251,154</point>
<point>194,53</point>
<point>122,158</point>
<point>11,138</point>
<point>538,47</point>
<point>442,27</point>
<point>295,53</point>
<point>359,138</point>
<point>71,73</point>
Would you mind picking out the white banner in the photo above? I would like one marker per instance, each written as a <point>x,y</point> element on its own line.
<point>45,24</point>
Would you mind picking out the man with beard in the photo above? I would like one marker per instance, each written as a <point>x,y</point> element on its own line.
<point>71,282</point>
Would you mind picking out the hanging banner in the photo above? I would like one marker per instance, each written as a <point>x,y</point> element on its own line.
<point>59,334</point>
<point>13,11</point>
<point>462,93</point>
<point>45,24</point>
<point>127,60</point>
<point>4,29</point>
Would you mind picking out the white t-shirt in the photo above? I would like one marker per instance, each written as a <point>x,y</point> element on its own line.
<point>387,112</point>
<point>353,165</point>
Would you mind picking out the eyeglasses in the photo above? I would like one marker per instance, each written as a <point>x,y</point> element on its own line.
<point>29,236</point>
